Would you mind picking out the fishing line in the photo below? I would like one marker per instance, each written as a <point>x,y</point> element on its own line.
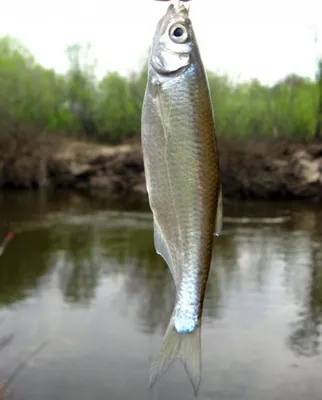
<point>5,242</point>
<point>22,365</point>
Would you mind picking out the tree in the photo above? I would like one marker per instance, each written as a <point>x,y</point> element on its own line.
<point>28,102</point>
<point>82,88</point>
<point>116,111</point>
<point>318,128</point>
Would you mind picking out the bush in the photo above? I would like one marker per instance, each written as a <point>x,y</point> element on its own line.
<point>109,110</point>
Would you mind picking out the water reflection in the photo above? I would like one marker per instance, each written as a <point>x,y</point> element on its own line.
<point>305,339</point>
<point>77,253</point>
<point>23,265</point>
<point>247,252</point>
<point>265,280</point>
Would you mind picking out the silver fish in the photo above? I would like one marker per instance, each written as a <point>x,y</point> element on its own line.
<point>183,181</point>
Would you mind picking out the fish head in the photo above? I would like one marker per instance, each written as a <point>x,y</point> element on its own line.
<point>173,41</point>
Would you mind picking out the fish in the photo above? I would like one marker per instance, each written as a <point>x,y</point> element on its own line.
<point>183,182</point>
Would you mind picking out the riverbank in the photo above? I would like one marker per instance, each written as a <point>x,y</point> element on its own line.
<point>250,170</point>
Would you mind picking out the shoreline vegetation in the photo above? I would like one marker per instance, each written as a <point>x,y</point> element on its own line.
<point>73,130</point>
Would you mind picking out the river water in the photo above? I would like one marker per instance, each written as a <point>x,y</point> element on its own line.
<point>82,276</point>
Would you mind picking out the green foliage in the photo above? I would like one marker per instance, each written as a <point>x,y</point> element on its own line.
<point>287,109</point>
<point>109,110</point>
<point>30,94</point>
<point>318,127</point>
<point>115,108</point>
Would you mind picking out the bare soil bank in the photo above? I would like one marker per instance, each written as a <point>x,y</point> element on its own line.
<point>250,169</point>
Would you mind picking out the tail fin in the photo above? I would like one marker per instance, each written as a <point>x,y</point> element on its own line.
<point>186,347</point>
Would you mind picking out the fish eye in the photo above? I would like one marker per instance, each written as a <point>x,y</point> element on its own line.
<point>178,33</point>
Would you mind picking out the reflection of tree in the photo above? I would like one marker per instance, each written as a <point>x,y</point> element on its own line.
<point>22,265</point>
<point>78,281</point>
<point>147,277</point>
<point>80,273</point>
<point>152,285</point>
<point>222,271</point>
<point>305,339</point>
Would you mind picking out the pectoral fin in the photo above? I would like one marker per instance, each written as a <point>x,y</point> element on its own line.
<point>162,249</point>
<point>219,214</point>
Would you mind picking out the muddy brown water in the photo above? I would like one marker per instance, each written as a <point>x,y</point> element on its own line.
<point>83,274</point>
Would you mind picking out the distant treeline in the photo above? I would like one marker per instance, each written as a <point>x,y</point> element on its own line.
<point>108,110</point>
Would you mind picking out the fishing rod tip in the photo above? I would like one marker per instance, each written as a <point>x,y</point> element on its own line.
<point>10,235</point>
